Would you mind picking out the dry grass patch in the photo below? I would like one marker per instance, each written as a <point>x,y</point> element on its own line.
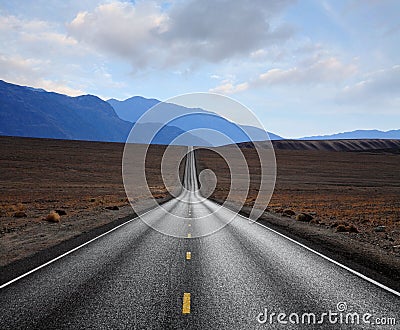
<point>53,217</point>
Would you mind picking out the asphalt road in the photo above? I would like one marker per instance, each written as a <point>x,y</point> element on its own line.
<point>136,277</point>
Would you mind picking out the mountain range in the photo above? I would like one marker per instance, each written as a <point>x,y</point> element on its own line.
<point>31,112</point>
<point>358,134</point>
<point>199,122</point>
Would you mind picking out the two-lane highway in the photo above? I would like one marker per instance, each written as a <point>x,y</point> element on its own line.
<point>136,277</point>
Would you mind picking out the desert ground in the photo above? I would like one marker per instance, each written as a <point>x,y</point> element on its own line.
<point>348,194</point>
<point>81,181</point>
<point>359,187</point>
<point>343,204</point>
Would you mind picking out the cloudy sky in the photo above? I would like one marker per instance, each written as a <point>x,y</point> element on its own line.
<point>304,67</point>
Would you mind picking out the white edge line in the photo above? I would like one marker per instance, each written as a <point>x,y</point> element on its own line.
<point>70,251</point>
<point>326,258</point>
<point>270,229</point>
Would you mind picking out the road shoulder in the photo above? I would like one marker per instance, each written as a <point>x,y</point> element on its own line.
<point>365,258</point>
<point>21,266</point>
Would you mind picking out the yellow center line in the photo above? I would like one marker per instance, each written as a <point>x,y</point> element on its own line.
<point>188,255</point>
<point>186,303</point>
<point>189,235</point>
<point>189,224</point>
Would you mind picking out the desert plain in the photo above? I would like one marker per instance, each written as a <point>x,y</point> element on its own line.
<point>351,196</point>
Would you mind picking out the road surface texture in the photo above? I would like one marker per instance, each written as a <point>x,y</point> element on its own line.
<point>136,277</point>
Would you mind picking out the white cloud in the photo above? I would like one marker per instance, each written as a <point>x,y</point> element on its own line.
<point>328,70</point>
<point>47,10</point>
<point>214,31</point>
<point>30,72</point>
<point>51,38</point>
<point>230,88</point>
<point>56,86</point>
<point>127,30</point>
<point>36,38</point>
<point>322,71</point>
<point>19,66</point>
<point>194,31</point>
<point>37,53</point>
<point>382,86</point>
<point>13,23</point>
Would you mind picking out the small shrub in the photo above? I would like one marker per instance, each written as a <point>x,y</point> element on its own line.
<point>288,212</point>
<point>315,221</point>
<point>53,217</point>
<point>158,196</point>
<point>341,229</point>
<point>61,212</point>
<point>380,229</point>
<point>304,217</point>
<point>338,223</point>
<point>353,229</point>
<point>113,208</point>
<point>20,214</point>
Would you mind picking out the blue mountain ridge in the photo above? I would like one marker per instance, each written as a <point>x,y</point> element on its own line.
<point>30,112</point>
<point>197,121</point>
<point>358,134</point>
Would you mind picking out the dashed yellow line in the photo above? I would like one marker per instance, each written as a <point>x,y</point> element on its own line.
<point>189,235</point>
<point>189,224</point>
<point>186,303</point>
<point>188,255</point>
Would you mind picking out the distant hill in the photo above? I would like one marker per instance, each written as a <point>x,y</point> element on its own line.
<point>189,119</point>
<point>166,135</point>
<point>31,112</point>
<point>358,134</point>
<point>331,145</point>
<point>131,109</point>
